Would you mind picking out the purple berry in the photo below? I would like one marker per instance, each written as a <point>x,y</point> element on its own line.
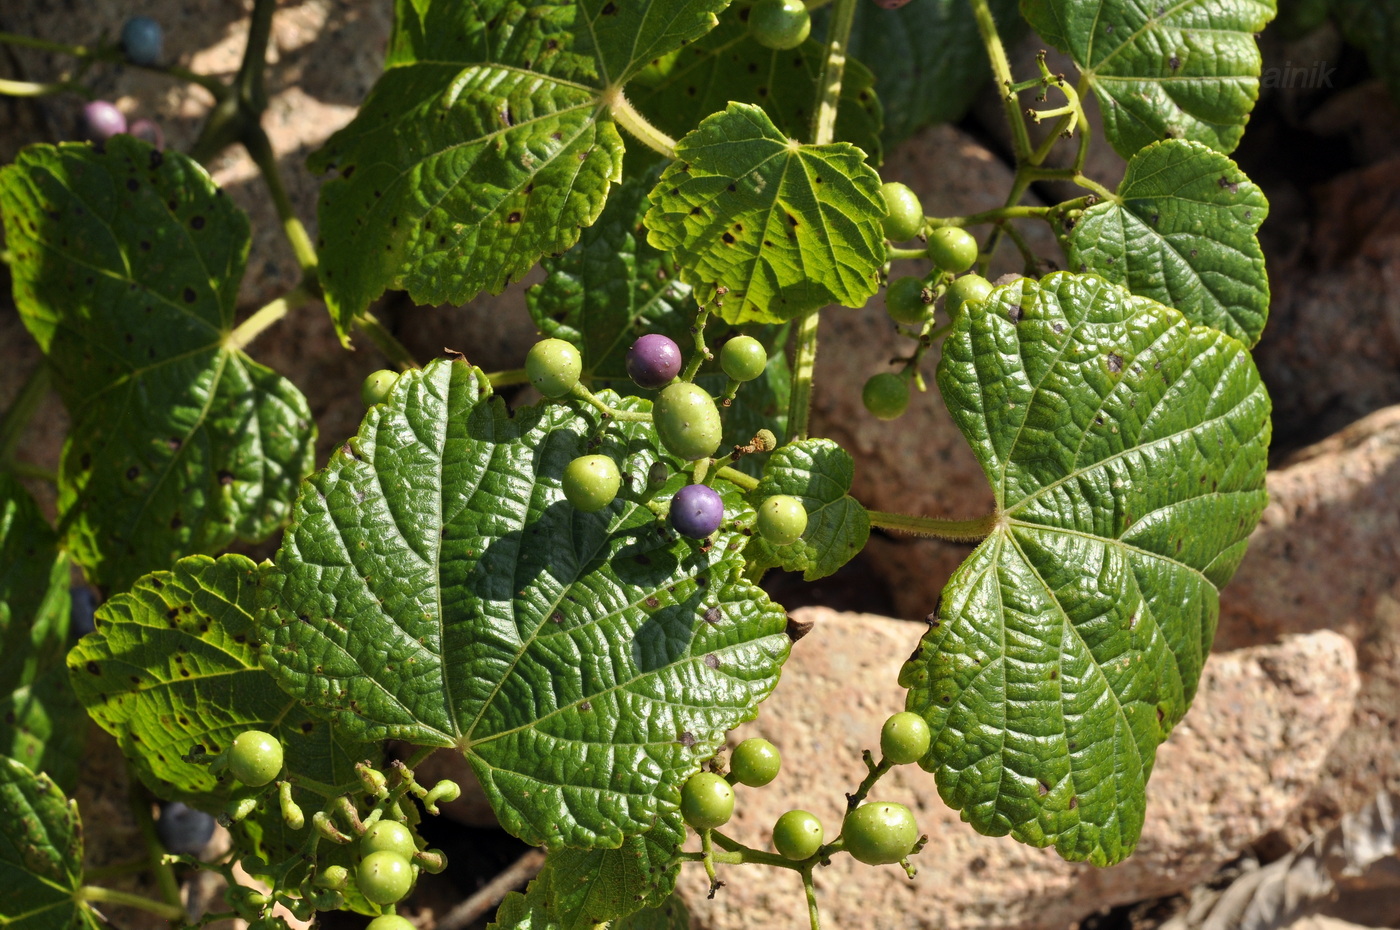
<point>148,131</point>
<point>101,121</point>
<point>182,829</point>
<point>696,511</point>
<point>653,361</point>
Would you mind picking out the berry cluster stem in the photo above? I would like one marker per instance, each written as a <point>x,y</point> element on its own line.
<point>593,400</point>
<point>141,902</point>
<point>114,55</point>
<point>1001,73</point>
<point>955,530</point>
<point>804,366</point>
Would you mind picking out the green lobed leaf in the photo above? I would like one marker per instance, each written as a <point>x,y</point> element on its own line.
<point>589,886</point>
<point>529,910</point>
<point>928,59</point>
<point>41,724</point>
<point>174,664</point>
<point>678,91</point>
<point>126,269</point>
<point>41,853</point>
<point>1182,70</point>
<point>817,472</point>
<point>485,145</point>
<point>1127,451</point>
<point>767,228</point>
<point>435,586</point>
<point>670,914</point>
<point>1374,27</point>
<point>1183,231</point>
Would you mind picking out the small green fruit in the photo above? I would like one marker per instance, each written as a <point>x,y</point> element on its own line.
<point>886,395</point>
<point>591,482</point>
<point>553,367</point>
<point>687,421</point>
<point>781,519</point>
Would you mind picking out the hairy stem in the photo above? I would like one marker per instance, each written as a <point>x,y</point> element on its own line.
<point>734,476</point>
<point>954,530</point>
<point>113,896</point>
<point>260,149</point>
<point>638,125</point>
<point>804,364</point>
<point>702,352</point>
<point>1001,72</point>
<point>838,40</point>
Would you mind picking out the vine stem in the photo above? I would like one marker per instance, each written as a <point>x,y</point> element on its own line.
<point>954,530</point>
<point>385,341</point>
<point>244,333</point>
<point>1001,71</point>
<point>140,804</point>
<point>810,889</point>
<point>113,896</point>
<point>115,56</point>
<point>734,476</point>
<point>31,89</point>
<point>804,366</point>
<point>508,377</point>
<point>622,416</point>
<point>260,149</point>
<point>638,125</point>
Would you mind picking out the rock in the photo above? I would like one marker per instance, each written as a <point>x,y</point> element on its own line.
<point>1235,767</point>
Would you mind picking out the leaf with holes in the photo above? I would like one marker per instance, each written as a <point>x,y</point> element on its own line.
<point>41,854</point>
<point>767,228</point>
<point>1183,231</point>
<point>436,586</point>
<point>1126,450</point>
<point>728,64</point>
<point>817,472</point>
<point>485,144</point>
<point>174,665</point>
<point>1187,69</point>
<point>40,722</point>
<point>126,270</point>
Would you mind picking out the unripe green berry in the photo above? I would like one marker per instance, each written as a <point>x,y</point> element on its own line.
<point>376,386</point>
<point>390,835</point>
<point>904,213</point>
<point>886,395</point>
<point>797,834</point>
<point>905,738</point>
<point>905,303</point>
<point>384,877</point>
<point>591,482</point>
<point>780,24</point>
<point>255,758</point>
<point>743,358</point>
<point>755,762</point>
<point>968,287</point>
<point>390,922</point>
<point>952,249</point>
<point>781,519</point>
<point>880,833</point>
<point>553,367</point>
<point>707,801</point>
<point>687,421</point>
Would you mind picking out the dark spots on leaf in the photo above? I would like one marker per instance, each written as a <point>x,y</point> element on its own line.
<point>763,91</point>
<point>1073,802</point>
<point>86,461</point>
<point>711,660</point>
<point>556,617</point>
<point>792,220</point>
<point>145,245</point>
<point>714,615</point>
<point>225,478</point>
<point>189,295</point>
<point>1227,184</point>
<point>947,699</point>
<point>307,726</point>
<point>641,558</point>
<point>176,522</point>
<point>1173,62</point>
<point>691,91</point>
<point>507,119</point>
<point>753,67</point>
<point>1042,788</point>
<point>93,668</point>
<point>1058,327</point>
<point>1015,314</point>
<point>728,238</point>
<point>1109,30</point>
<point>731,188</point>
<point>196,222</point>
<point>695,211</point>
<point>157,159</point>
<point>1115,362</point>
<point>703,580</point>
<point>349,170</point>
<point>609,9</point>
<point>514,217</point>
<point>132,184</point>
<point>685,738</point>
<point>653,603</point>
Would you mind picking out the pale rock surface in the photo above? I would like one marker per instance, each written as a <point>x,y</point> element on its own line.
<point>1263,723</point>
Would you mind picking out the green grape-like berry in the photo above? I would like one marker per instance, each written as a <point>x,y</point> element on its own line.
<point>886,395</point>
<point>781,519</point>
<point>780,24</point>
<point>904,213</point>
<point>905,738</point>
<point>905,301</point>
<point>255,758</point>
<point>755,762</point>
<point>591,482</point>
<point>707,801</point>
<point>743,358</point>
<point>553,367</point>
<point>797,834</point>
<point>952,249</point>
<point>972,287</point>
<point>384,877</point>
<point>880,833</point>
<point>687,421</point>
<point>390,922</point>
<point>388,835</point>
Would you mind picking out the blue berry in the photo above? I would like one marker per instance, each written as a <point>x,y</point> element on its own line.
<point>696,511</point>
<point>142,40</point>
<point>101,121</point>
<point>183,830</point>
<point>653,361</point>
<point>81,621</point>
